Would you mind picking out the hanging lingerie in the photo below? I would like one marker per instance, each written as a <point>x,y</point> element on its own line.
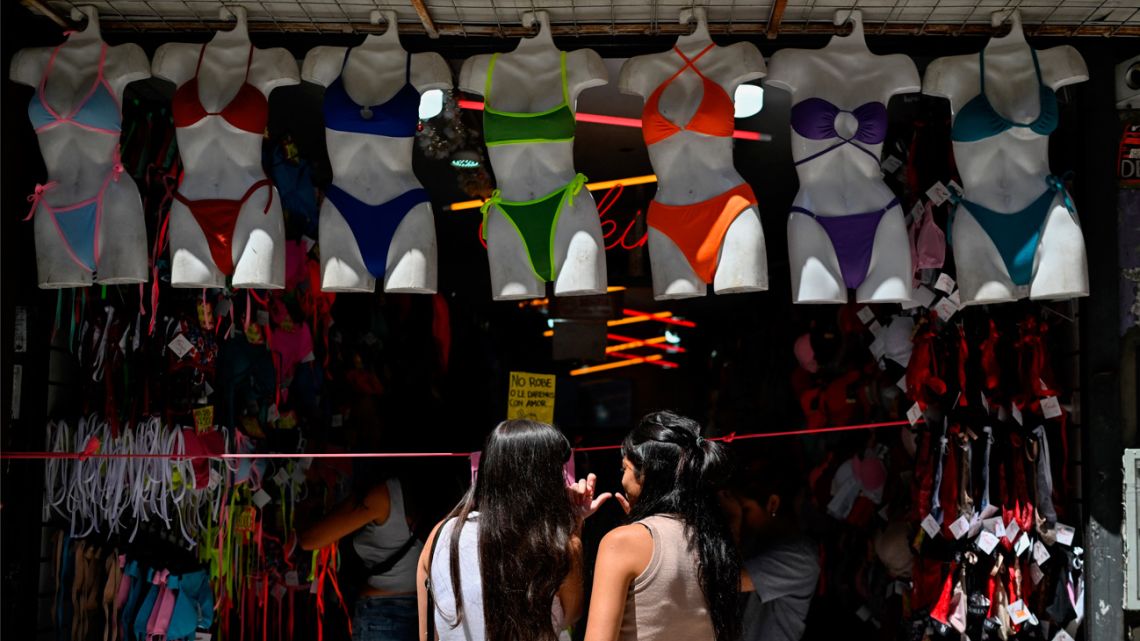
<point>218,217</point>
<point>399,117</point>
<point>511,127</point>
<point>536,221</point>
<point>978,119</point>
<point>374,226</point>
<point>247,111</point>
<point>697,229</point>
<point>853,237</point>
<point>78,224</point>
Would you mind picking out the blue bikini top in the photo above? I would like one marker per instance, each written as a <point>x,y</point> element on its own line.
<point>397,118</point>
<point>978,120</point>
<point>98,111</point>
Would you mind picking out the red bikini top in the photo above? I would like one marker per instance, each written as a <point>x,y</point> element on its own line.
<point>248,110</point>
<point>713,117</point>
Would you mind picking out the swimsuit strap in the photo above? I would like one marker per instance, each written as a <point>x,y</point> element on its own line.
<point>487,82</point>
<point>407,67</point>
<point>201,54</point>
<point>1037,66</point>
<point>689,64</point>
<point>37,197</point>
<point>248,64</point>
<point>1057,184</point>
<point>565,88</point>
<point>982,74</point>
<point>99,79</point>
<point>842,141</point>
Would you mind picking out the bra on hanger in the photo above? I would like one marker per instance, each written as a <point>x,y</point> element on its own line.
<point>978,119</point>
<point>248,110</point>
<point>98,111</point>
<point>512,127</point>
<point>399,117</point>
<point>714,115</point>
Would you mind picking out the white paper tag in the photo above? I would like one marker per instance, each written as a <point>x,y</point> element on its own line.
<point>272,414</point>
<point>891,164</point>
<point>1021,546</point>
<point>975,526</point>
<point>308,242</point>
<point>1062,635</point>
<point>901,383</point>
<point>262,317</point>
<point>955,297</point>
<point>987,542</point>
<point>205,636</point>
<point>863,613</point>
<point>946,309</point>
<point>1065,534</point>
<point>923,295</point>
<point>313,587</point>
<point>878,347</point>
<point>985,403</point>
<point>875,327</point>
<point>215,479</point>
<point>1012,529</point>
<point>956,188</point>
<point>916,211</point>
<point>931,526</point>
<point>914,414</point>
<point>945,283</point>
<point>1035,574</point>
<point>1018,613</point>
<point>1015,411</point>
<point>291,578</point>
<point>336,421</point>
<point>261,498</point>
<point>865,315</point>
<point>938,194</point>
<point>281,477</point>
<point>305,462</point>
<point>959,527</point>
<point>993,525</point>
<point>223,308</point>
<point>1050,407</point>
<point>278,591</point>
<point>180,346</point>
<point>1040,554</point>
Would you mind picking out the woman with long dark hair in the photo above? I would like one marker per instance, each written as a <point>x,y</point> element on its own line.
<point>674,571</point>
<point>515,532</point>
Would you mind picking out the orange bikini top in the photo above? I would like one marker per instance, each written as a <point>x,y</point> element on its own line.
<point>713,117</point>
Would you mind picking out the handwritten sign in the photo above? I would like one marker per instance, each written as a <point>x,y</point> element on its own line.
<point>531,396</point>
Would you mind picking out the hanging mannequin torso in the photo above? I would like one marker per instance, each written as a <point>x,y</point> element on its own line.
<point>89,224</point>
<point>531,80</point>
<point>220,148</point>
<point>1005,172</point>
<point>374,169</point>
<point>695,167</point>
<point>846,230</point>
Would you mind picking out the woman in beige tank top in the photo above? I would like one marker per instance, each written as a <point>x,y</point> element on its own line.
<point>673,573</point>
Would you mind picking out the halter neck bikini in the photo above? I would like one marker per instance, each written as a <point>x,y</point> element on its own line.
<point>374,226</point>
<point>247,112</point>
<point>697,229</point>
<point>852,235</point>
<point>78,224</point>
<point>535,220</point>
<point>1015,234</point>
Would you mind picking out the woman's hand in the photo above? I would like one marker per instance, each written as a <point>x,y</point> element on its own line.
<point>623,501</point>
<point>583,499</point>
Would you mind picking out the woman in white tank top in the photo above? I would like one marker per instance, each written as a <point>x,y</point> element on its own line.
<point>519,537</point>
<point>674,572</point>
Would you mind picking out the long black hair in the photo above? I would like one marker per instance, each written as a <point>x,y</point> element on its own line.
<point>680,473</point>
<point>526,521</point>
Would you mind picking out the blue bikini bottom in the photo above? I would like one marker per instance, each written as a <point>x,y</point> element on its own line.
<point>374,226</point>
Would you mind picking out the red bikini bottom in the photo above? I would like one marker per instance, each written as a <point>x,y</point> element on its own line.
<point>217,217</point>
<point>698,229</point>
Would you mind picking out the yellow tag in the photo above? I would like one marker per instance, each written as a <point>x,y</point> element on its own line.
<point>531,396</point>
<point>253,334</point>
<point>204,419</point>
<point>287,421</point>
<point>250,426</point>
<point>243,522</point>
<point>205,314</point>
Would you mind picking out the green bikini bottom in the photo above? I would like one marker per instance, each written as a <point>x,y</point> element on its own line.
<point>535,221</point>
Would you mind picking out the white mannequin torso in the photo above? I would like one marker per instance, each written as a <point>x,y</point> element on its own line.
<point>222,162</point>
<point>844,180</point>
<point>529,80</point>
<point>692,167</point>
<point>80,161</point>
<point>375,169</point>
<point>1007,172</point>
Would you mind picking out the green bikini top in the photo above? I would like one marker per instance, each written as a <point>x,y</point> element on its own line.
<point>509,127</point>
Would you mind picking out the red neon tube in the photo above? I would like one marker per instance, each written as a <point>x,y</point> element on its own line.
<point>633,313</point>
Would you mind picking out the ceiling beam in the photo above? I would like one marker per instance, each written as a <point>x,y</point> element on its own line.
<point>425,18</point>
<point>776,17</point>
<point>42,9</point>
<point>605,29</point>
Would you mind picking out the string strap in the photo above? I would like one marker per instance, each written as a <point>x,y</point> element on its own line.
<point>37,196</point>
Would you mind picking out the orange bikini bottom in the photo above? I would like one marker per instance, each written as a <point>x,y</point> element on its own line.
<point>699,229</point>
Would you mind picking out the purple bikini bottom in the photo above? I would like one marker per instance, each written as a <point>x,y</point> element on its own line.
<point>853,237</point>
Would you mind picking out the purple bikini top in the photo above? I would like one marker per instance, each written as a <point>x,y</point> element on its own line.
<point>814,119</point>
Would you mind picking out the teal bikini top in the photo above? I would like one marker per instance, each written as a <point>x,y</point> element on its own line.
<point>978,119</point>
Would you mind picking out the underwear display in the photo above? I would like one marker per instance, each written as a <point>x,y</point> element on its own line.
<point>1015,235</point>
<point>698,229</point>
<point>247,111</point>
<point>374,226</point>
<point>713,116</point>
<point>814,119</point>
<point>508,127</point>
<point>78,223</point>
<point>978,119</point>
<point>397,118</point>
<point>218,217</point>
<point>536,222</point>
<point>853,237</point>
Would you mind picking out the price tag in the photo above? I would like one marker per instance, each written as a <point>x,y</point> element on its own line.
<point>281,477</point>
<point>878,348</point>
<point>313,587</point>
<point>875,327</point>
<point>1015,411</point>
<point>204,419</point>
<point>1021,546</point>
<point>901,383</point>
<point>923,295</point>
<point>337,420</point>
<point>205,636</point>
<point>975,526</point>
<point>1035,574</point>
<point>938,194</point>
<point>1012,529</point>
<point>1065,534</point>
<point>291,578</point>
<point>891,164</point>
<point>1040,554</point>
<point>305,462</point>
<point>1050,407</point>
<point>1062,635</point>
<point>864,613</point>
<point>931,526</point>
<point>914,414</point>
<point>956,297</point>
<point>308,242</point>
<point>262,317</point>
<point>945,283</point>
<point>865,315</point>
<point>959,527</point>
<point>916,211</point>
<point>946,309</point>
<point>181,346</point>
<point>278,591</point>
<point>261,498</point>
<point>224,307</point>
<point>1018,613</point>
<point>272,414</point>
<point>215,479</point>
<point>987,542</point>
<point>956,188</point>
